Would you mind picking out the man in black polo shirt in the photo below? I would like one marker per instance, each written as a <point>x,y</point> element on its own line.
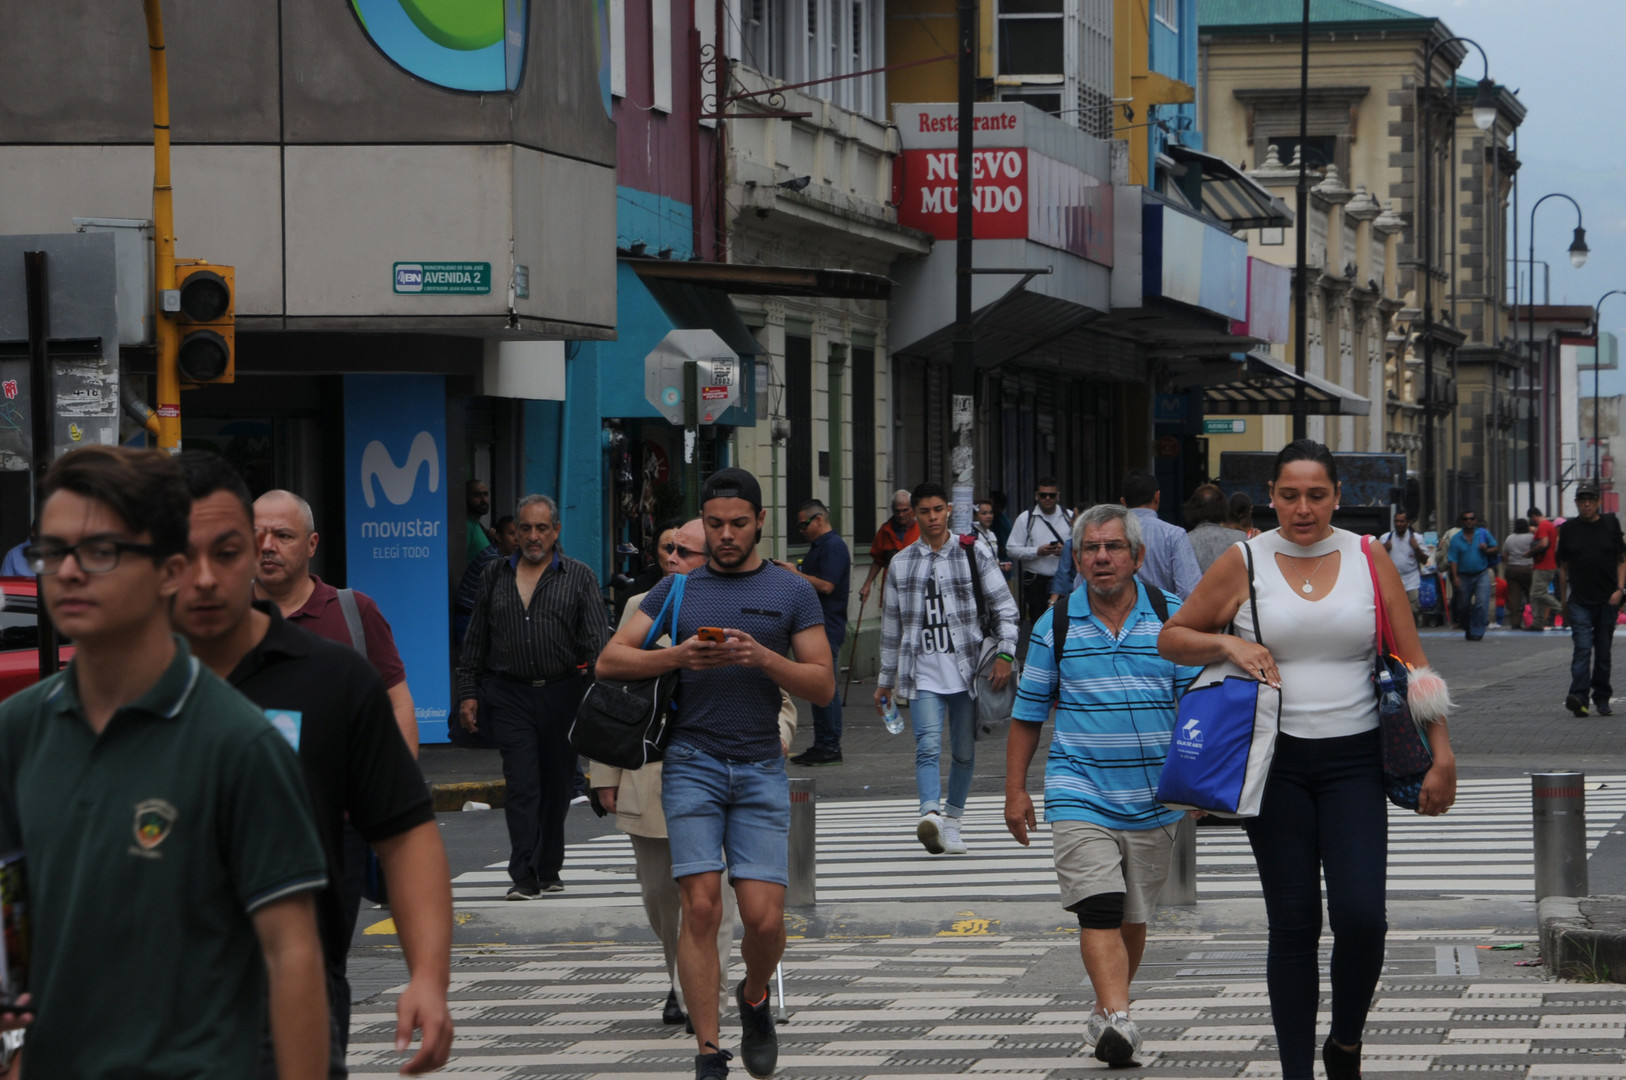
<point>1591,573</point>
<point>331,706</point>
<point>827,567</point>
<point>171,858</point>
<point>538,624</point>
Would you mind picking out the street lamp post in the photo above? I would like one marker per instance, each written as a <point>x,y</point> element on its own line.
<point>1484,113</point>
<point>1578,254</point>
<point>1597,370</point>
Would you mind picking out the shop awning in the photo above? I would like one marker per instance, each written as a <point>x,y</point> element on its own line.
<point>697,307</point>
<point>1266,387</point>
<point>743,278</point>
<point>1230,194</point>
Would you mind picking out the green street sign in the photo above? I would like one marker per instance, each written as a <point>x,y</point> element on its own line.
<point>443,277</point>
<point>1224,427</point>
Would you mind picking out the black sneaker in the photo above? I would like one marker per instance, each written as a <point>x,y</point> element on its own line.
<point>528,890</point>
<point>759,1046</point>
<point>1576,704</point>
<point>1604,709</point>
<point>713,1066</point>
<point>1341,1064</point>
<point>673,1012</point>
<point>816,757</point>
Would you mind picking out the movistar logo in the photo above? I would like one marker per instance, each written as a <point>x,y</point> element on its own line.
<point>396,481</point>
<point>459,44</point>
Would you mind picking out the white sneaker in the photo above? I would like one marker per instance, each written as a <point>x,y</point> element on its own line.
<point>1119,1040</point>
<point>1094,1027</point>
<point>930,832</point>
<point>952,844</point>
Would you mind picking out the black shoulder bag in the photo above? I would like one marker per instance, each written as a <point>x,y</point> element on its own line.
<point>627,724</point>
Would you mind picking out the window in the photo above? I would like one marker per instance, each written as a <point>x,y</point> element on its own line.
<point>1168,13</point>
<point>1031,37</point>
<point>802,41</point>
<point>1319,151</point>
<point>1044,101</point>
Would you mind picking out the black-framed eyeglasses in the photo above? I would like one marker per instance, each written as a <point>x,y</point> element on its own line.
<point>681,551</point>
<point>95,555</point>
<point>1049,494</point>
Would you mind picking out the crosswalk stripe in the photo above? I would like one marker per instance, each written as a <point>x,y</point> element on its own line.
<point>867,850</point>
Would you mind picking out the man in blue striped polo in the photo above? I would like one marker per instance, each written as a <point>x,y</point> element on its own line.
<point>1114,698</point>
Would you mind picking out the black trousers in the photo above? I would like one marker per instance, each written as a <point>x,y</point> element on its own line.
<point>531,726</point>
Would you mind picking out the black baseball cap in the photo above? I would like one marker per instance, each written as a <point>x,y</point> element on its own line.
<point>732,484</point>
<point>1586,489</point>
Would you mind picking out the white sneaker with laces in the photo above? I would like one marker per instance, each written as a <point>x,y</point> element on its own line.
<point>1094,1027</point>
<point>1119,1040</point>
<point>952,844</point>
<point>930,833</point>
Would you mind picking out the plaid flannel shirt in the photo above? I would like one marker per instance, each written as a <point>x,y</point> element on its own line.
<point>902,617</point>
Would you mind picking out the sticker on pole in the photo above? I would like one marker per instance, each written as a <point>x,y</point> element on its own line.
<point>443,277</point>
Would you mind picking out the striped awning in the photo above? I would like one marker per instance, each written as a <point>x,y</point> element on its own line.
<point>1267,387</point>
<point>1230,194</point>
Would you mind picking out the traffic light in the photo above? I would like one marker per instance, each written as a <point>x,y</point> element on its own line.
<point>206,319</point>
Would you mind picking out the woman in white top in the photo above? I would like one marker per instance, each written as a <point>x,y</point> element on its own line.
<point>1324,812</point>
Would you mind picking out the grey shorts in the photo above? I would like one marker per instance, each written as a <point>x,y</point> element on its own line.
<point>1093,859</point>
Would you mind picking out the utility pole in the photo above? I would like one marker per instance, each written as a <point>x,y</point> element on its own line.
<point>963,371</point>
<point>1301,236</point>
<point>166,335</point>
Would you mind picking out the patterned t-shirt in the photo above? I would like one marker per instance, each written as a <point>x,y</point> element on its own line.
<point>935,671</point>
<point>733,712</point>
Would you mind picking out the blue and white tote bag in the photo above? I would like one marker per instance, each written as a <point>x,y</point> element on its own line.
<point>1225,731</point>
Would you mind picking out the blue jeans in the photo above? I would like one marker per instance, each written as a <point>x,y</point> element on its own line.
<point>827,718</point>
<point>1592,629</point>
<point>1323,816</point>
<point>926,714</point>
<point>1476,601</point>
<point>716,805</point>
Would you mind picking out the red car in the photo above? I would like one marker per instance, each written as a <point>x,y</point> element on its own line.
<point>19,636</point>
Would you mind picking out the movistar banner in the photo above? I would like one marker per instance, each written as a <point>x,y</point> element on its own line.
<point>395,524</point>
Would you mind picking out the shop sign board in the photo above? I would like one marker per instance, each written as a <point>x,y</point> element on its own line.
<point>1225,427</point>
<point>395,524</point>
<point>718,371</point>
<point>441,278</point>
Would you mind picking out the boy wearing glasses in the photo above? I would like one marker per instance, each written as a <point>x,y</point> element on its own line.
<point>169,840</point>
<point>827,567</point>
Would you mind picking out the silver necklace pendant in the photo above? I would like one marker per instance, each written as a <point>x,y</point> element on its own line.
<point>1307,587</point>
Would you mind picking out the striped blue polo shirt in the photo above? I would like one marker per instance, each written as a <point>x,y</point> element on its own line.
<point>1114,717</point>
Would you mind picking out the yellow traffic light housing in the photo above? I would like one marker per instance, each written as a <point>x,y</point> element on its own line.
<point>206,322</point>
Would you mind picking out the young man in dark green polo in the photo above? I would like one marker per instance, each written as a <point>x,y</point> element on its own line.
<point>171,857</point>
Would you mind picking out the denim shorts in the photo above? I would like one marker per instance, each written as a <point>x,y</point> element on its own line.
<point>718,805</point>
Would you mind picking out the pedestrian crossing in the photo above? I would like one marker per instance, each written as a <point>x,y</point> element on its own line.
<point>867,852</point>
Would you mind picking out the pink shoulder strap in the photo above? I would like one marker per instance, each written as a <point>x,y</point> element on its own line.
<point>1385,634</point>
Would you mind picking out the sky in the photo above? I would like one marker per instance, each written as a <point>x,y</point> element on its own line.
<point>1564,59</point>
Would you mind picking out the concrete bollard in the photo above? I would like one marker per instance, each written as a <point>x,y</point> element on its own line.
<point>1558,825</point>
<point>1180,887</point>
<point>802,890</point>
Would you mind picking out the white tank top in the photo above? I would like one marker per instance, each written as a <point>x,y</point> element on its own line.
<point>1324,647</point>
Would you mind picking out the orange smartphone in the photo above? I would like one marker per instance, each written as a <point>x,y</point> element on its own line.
<point>711,633</point>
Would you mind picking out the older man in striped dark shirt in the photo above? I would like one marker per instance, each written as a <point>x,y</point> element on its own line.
<point>538,624</point>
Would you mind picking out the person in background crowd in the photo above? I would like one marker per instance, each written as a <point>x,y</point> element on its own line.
<point>15,563</point>
<point>930,634</point>
<point>1207,518</point>
<point>477,498</point>
<point>1115,706</point>
<point>1002,523</point>
<point>1454,615</point>
<point>1036,544</point>
<point>468,586</point>
<point>330,704</point>
<point>1324,815</point>
<point>1470,556</point>
<point>982,527</point>
<point>896,534</point>
<point>1406,552</point>
<point>1591,582</point>
<point>1518,570</point>
<point>285,532</point>
<point>634,797</point>
<point>1543,570</point>
<point>1170,563</point>
<point>538,625</point>
<point>724,790</point>
<point>172,862</point>
<point>1241,516</point>
<point>827,567</point>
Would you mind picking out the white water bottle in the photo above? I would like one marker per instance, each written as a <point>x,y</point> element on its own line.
<point>889,713</point>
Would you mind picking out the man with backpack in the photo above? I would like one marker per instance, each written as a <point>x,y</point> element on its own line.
<point>1035,546</point>
<point>931,639</point>
<point>1094,656</point>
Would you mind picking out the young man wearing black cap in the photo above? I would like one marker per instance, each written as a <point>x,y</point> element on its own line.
<point>724,786</point>
<point>1591,576</point>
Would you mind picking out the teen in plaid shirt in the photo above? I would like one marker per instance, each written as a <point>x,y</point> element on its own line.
<point>930,639</point>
